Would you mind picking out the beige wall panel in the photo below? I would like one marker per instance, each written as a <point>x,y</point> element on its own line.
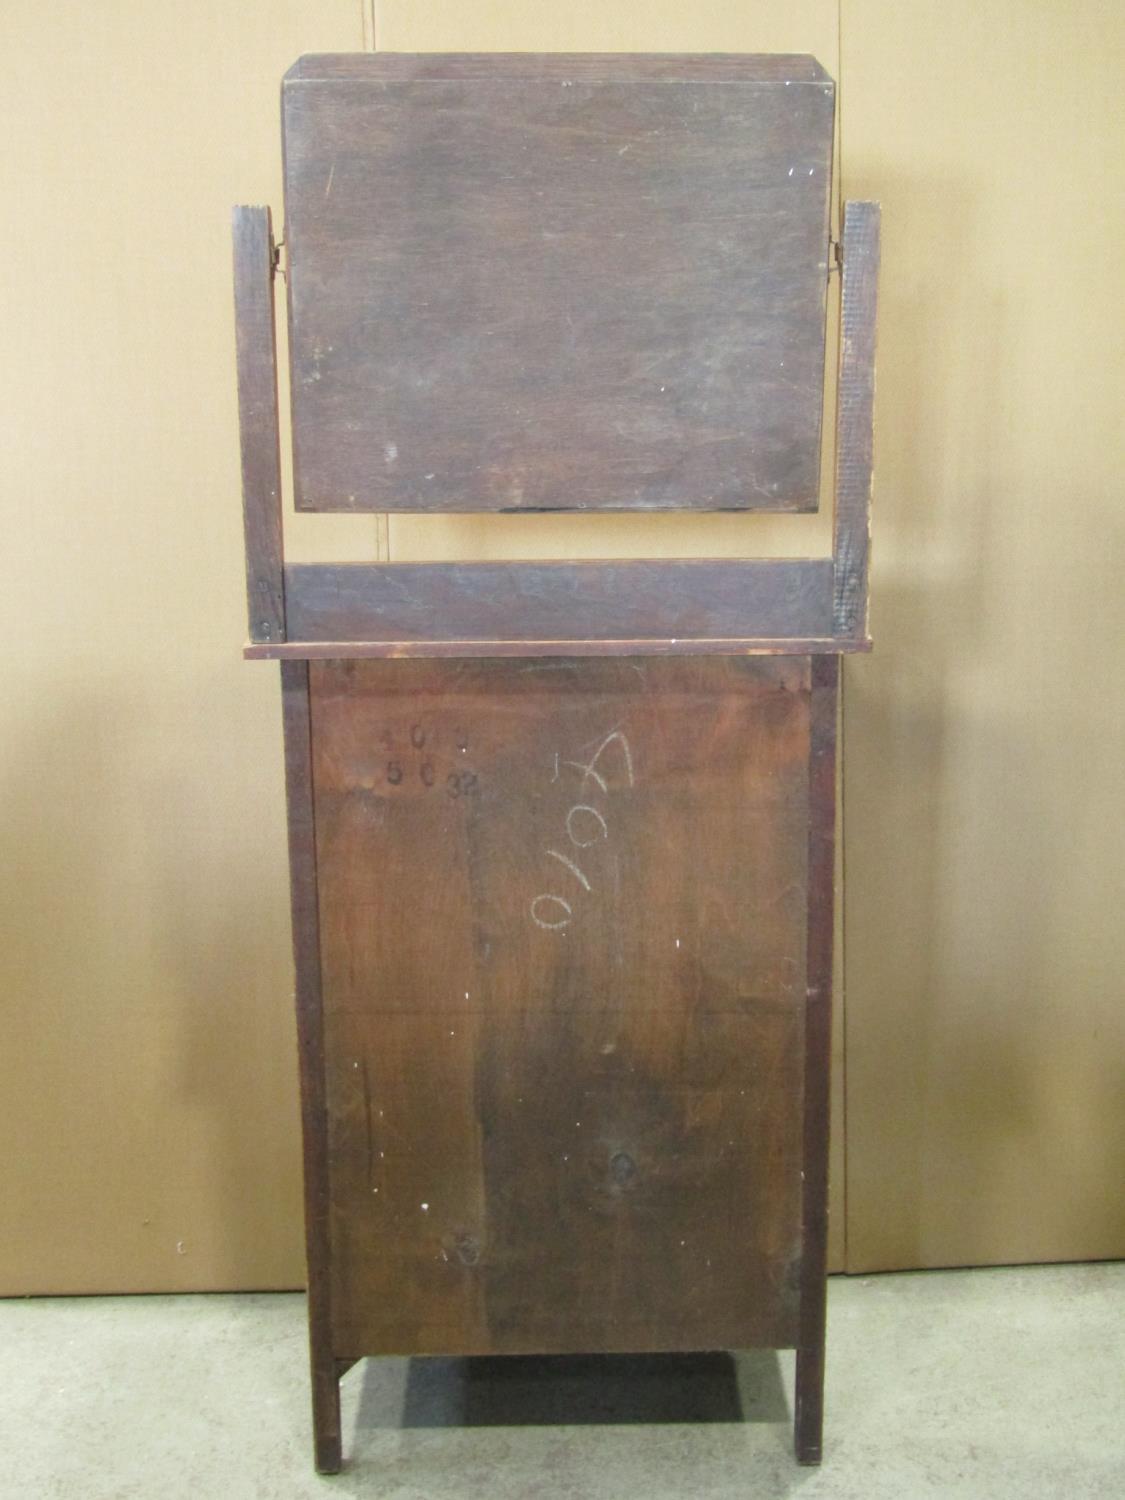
<point>619,26</point>
<point>148,1084</point>
<point>147,1078</point>
<point>985,777</point>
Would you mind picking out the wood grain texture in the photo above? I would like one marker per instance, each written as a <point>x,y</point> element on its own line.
<point>258,421</point>
<point>310,1042</point>
<point>809,1389</point>
<point>531,602</point>
<point>537,285</point>
<point>855,417</point>
<point>654,646</point>
<point>985,774</point>
<point>562,928</point>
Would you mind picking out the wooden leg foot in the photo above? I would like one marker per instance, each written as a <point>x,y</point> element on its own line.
<point>326,1422</point>
<point>808,1424</point>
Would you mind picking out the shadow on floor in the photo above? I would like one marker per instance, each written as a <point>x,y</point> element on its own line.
<point>578,1390</point>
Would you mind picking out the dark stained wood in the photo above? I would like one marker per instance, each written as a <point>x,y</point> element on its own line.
<point>563,894</point>
<point>258,422</point>
<point>366,650</point>
<point>809,1402</point>
<point>310,1040</point>
<point>523,285</point>
<point>533,602</point>
<point>563,920</point>
<point>855,417</point>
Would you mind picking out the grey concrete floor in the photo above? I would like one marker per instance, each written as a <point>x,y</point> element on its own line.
<point>989,1383</point>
